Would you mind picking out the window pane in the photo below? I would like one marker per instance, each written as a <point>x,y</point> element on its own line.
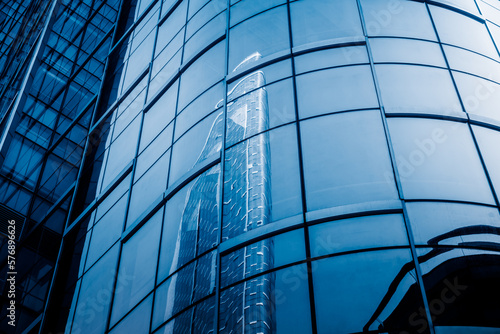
<point>457,29</point>
<point>489,141</point>
<point>457,281</point>
<point>337,89</point>
<point>438,160</point>
<point>138,264</point>
<point>189,214</point>
<point>203,73</point>
<point>397,18</point>
<point>407,88</point>
<point>466,61</point>
<point>479,96</point>
<point>201,142</point>
<point>199,108</point>
<point>158,116</point>
<point>354,146</point>
<point>278,300</point>
<point>367,291</point>
<point>357,233</point>
<point>331,58</point>
<point>453,224</point>
<point>96,288</point>
<point>247,8</point>
<point>107,231</point>
<point>137,321</point>
<point>258,37</point>
<point>190,284</point>
<point>262,182</point>
<point>259,110</point>
<point>148,188</point>
<point>262,256</point>
<point>398,50</point>
<point>319,20</point>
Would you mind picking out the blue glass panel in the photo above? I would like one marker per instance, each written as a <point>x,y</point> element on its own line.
<point>353,145</point>
<point>438,160</point>
<point>136,275</point>
<point>357,233</point>
<point>367,291</point>
<point>337,89</point>
<point>277,302</point>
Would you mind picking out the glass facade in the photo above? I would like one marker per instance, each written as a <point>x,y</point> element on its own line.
<point>278,166</point>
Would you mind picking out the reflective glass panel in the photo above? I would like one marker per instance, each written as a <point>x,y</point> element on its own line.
<point>336,89</point>
<point>438,160</point>
<point>258,37</point>
<point>398,19</point>
<point>353,145</point>
<point>407,88</point>
<point>357,233</point>
<point>277,302</point>
<point>367,291</point>
<point>136,275</point>
<point>261,181</point>
<point>319,20</point>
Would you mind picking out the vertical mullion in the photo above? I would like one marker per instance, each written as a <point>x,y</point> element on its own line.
<point>222,171</point>
<point>397,179</point>
<point>312,304</point>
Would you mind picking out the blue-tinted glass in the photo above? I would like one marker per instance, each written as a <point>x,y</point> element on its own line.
<point>453,224</point>
<point>185,287</point>
<point>95,295</point>
<point>367,291</point>
<point>346,160</point>
<point>460,30</point>
<point>438,160</point>
<point>107,231</point>
<point>277,302</point>
<point>121,151</point>
<point>489,141</point>
<point>137,267</point>
<point>399,50</point>
<point>191,222</point>
<point>319,20</point>
<point>397,18</point>
<point>171,26</point>
<point>148,188</point>
<point>137,321</point>
<point>203,73</point>
<point>479,96</point>
<point>203,37</point>
<point>263,256</point>
<point>357,233</point>
<point>336,89</point>
<point>473,63</point>
<point>331,58</point>
<point>199,108</point>
<point>407,88</point>
<point>153,152</point>
<point>456,280</point>
<point>264,107</point>
<point>160,114</point>
<point>261,181</point>
<point>258,37</point>
<point>246,8</point>
<point>200,143</point>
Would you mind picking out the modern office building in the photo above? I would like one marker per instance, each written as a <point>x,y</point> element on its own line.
<point>252,166</point>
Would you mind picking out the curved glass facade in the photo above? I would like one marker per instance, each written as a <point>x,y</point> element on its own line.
<point>309,166</point>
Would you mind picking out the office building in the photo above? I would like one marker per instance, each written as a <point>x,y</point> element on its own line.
<point>224,166</point>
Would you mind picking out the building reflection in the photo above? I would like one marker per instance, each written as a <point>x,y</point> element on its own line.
<point>248,307</point>
<point>461,284</point>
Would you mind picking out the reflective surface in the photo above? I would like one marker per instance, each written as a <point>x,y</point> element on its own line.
<point>263,167</point>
